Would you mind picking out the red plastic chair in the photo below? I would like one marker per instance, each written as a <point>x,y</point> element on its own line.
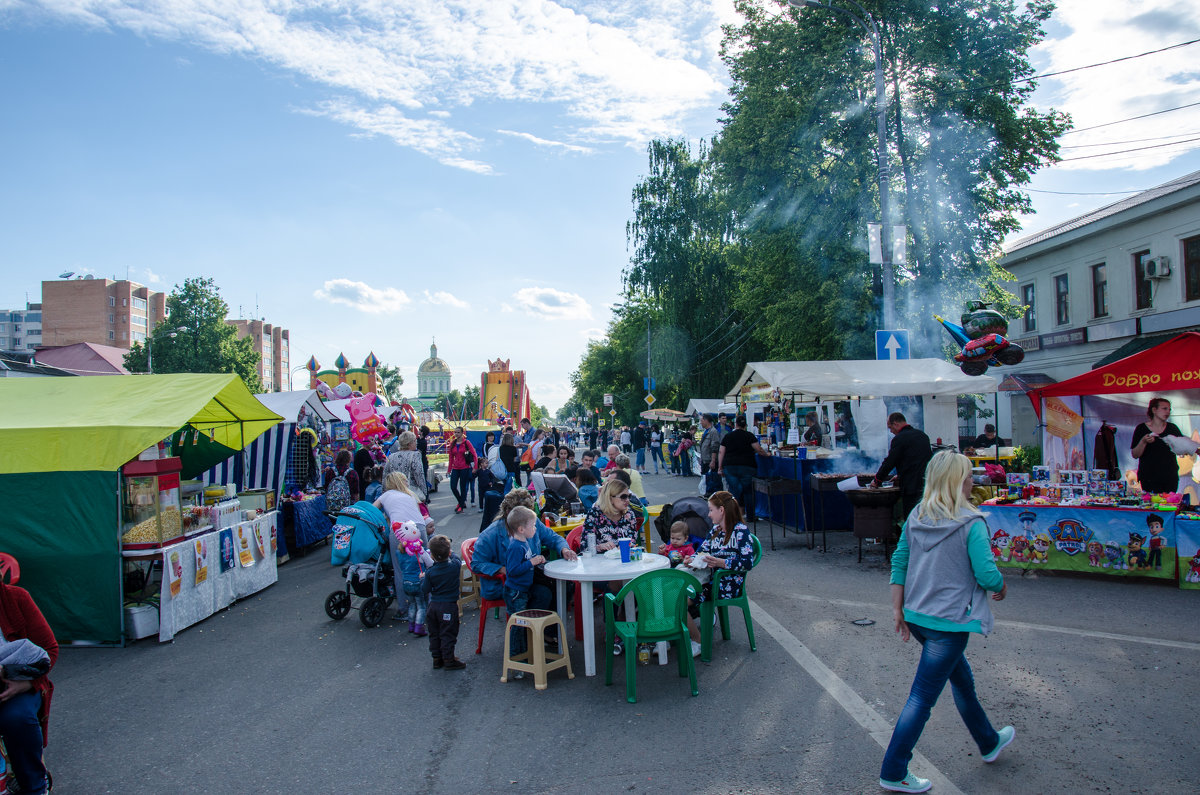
<point>468,552</point>
<point>10,572</point>
<point>574,540</point>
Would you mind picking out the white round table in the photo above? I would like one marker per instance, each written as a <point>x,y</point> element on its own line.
<point>586,571</point>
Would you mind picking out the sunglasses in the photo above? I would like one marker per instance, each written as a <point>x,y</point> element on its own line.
<point>624,496</point>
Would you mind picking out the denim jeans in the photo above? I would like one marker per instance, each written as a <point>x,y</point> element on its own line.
<point>640,458</point>
<point>459,479</point>
<point>22,735</point>
<point>737,480</point>
<point>516,601</point>
<point>943,659</point>
<point>657,456</point>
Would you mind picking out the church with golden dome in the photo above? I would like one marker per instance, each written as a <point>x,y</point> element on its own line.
<point>433,376</point>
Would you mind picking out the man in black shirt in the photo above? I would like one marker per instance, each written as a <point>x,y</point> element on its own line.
<point>988,438</point>
<point>908,455</point>
<point>736,462</point>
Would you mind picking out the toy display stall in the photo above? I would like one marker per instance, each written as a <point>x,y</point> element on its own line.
<point>1088,425</point>
<point>925,390</point>
<point>95,502</point>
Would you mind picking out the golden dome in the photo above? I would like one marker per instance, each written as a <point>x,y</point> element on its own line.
<point>433,365</point>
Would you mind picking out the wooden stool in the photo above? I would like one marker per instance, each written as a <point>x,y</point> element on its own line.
<point>535,660</point>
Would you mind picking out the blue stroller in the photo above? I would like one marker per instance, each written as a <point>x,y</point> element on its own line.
<point>360,547</point>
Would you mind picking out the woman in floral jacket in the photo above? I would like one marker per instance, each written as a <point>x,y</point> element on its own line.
<point>610,518</point>
<point>728,546</point>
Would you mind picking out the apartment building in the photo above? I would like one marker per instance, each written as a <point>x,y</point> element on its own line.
<point>271,342</point>
<point>1107,284</point>
<point>21,329</point>
<point>99,311</point>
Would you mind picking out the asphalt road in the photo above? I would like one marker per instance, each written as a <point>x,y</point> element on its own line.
<point>1097,675</point>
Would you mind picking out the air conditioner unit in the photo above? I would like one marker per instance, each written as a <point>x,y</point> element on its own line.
<point>1158,268</point>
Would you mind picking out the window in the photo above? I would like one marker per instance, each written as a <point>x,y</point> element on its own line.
<point>112,335</point>
<point>33,317</point>
<point>1062,299</point>
<point>1027,298</point>
<point>1142,288</point>
<point>112,300</point>
<point>1099,291</point>
<point>1191,267</point>
<point>112,318</point>
<point>138,320</point>
<point>139,336</point>
<point>124,302</point>
<point>139,303</point>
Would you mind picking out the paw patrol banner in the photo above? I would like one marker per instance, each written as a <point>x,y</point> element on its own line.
<point>1125,542</point>
<point>1188,531</point>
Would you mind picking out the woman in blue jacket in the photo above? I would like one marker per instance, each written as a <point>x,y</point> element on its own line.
<point>942,571</point>
<point>491,550</point>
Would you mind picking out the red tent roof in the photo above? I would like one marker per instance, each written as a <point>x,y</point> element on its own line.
<point>86,358</point>
<point>1167,367</point>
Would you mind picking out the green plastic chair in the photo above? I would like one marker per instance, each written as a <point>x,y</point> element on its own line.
<point>661,598</point>
<point>722,607</point>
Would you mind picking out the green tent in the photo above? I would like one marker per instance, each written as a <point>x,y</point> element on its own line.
<point>64,442</point>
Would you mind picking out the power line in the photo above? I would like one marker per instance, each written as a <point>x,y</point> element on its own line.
<point>1106,63</point>
<point>1131,141</point>
<point>1131,118</point>
<point>1084,193</point>
<point>1124,151</point>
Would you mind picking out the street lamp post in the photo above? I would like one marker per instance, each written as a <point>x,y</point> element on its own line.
<point>175,332</point>
<point>885,238</point>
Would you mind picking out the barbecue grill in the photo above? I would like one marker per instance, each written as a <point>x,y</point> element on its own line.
<point>873,507</point>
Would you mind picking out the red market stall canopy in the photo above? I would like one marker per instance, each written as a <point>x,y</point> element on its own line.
<point>1167,367</point>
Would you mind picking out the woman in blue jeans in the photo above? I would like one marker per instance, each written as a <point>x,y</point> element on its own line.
<point>942,571</point>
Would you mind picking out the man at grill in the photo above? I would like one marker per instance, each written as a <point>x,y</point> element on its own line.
<point>908,454</point>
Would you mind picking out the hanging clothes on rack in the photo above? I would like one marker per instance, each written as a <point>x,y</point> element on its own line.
<point>1105,452</point>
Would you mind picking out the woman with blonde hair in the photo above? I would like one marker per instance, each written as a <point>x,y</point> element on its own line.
<point>610,518</point>
<point>942,571</point>
<point>407,461</point>
<point>399,502</point>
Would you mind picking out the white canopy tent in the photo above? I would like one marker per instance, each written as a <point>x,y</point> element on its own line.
<point>287,404</point>
<point>938,381</point>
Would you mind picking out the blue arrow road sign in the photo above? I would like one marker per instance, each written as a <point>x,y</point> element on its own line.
<point>891,344</point>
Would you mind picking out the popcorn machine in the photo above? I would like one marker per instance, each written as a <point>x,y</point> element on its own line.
<point>151,514</point>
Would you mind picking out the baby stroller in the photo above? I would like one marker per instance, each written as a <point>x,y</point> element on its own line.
<point>360,547</point>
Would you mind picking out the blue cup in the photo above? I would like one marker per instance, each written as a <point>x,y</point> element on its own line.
<point>624,543</point>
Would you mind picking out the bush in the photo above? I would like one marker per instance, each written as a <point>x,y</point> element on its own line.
<point>1025,458</point>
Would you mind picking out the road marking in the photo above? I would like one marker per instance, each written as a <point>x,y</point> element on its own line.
<point>858,709</point>
<point>1083,633</point>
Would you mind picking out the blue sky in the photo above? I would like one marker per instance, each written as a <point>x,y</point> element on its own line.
<point>372,176</point>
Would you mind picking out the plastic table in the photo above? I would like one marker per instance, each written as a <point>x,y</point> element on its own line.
<point>586,571</point>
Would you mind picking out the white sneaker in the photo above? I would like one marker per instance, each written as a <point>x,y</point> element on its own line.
<point>695,649</point>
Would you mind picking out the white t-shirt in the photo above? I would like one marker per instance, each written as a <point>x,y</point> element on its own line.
<point>402,508</point>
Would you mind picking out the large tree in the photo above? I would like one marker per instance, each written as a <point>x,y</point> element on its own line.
<point>196,339</point>
<point>390,381</point>
<point>797,155</point>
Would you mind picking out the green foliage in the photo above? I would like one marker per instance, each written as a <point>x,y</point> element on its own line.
<point>1025,458</point>
<point>538,413</point>
<point>390,381</point>
<point>754,245</point>
<point>196,339</point>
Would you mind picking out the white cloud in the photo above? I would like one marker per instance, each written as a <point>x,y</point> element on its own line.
<point>363,297</point>
<point>612,70</point>
<point>551,304</point>
<point>533,139</point>
<point>441,298</point>
<point>152,277</point>
<point>593,333</point>
<point>1097,32</point>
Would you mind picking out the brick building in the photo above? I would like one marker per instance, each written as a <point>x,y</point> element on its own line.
<point>100,311</point>
<point>271,343</point>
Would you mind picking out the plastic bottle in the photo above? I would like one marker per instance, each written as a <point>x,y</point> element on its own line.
<point>643,654</point>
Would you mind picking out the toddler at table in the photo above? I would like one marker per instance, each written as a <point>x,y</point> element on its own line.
<point>521,524</point>
<point>440,587</point>
<point>680,546</point>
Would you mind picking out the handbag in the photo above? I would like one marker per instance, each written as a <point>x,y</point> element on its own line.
<point>712,482</point>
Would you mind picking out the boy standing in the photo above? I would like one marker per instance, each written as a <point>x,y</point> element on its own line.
<point>521,524</point>
<point>441,586</point>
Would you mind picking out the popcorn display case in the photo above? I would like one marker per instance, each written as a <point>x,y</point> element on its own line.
<point>151,514</point>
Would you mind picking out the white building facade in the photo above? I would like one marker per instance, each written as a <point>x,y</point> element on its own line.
<point>1126,273</point>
